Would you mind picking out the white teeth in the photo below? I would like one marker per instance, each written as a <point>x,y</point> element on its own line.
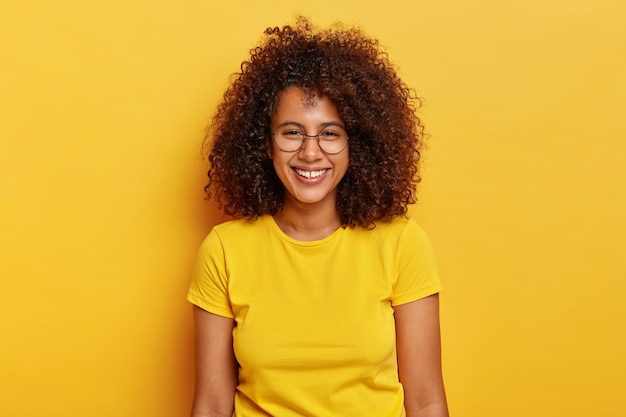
<point>310,174</point>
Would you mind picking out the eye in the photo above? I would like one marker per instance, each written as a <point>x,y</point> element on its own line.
<point>292,134</point>
<point>329,135</point>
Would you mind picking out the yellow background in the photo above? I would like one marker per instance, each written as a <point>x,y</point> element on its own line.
<point>102,106</point>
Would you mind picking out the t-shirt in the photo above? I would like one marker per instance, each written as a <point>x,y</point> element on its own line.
<point>314,333</point>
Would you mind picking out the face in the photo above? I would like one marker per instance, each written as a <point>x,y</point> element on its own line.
<point>309,175</point>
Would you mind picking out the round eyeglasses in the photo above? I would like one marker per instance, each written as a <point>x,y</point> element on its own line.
<point>331,140</point>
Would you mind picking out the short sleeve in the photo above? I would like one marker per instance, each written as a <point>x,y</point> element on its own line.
<point>209,283</point>
<point>417,269</point>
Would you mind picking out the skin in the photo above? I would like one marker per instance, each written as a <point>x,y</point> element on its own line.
<point>419,357</point>
<point>216,367</point>
<point>309,213</point>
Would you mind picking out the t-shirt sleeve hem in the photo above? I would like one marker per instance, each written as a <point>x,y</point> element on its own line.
<point>415,295</point>
<point>211,308</point>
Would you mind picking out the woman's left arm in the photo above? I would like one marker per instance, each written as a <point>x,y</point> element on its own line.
<point>419,357</point>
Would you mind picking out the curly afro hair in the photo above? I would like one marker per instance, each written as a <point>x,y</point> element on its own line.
<point>378,110</point>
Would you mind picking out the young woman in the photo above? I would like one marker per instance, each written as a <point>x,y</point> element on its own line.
<point>321,299</point>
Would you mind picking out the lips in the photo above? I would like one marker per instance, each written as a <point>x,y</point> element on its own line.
<point>310,174</point>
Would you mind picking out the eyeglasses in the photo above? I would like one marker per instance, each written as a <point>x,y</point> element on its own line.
<point>331,140</point>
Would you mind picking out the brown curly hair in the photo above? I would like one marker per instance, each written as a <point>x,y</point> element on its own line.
<point>378,110</point>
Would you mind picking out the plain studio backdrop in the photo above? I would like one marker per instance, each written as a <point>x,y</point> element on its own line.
<point>102,108</point>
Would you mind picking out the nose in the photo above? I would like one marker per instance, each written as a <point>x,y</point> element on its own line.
<point>310,149</point>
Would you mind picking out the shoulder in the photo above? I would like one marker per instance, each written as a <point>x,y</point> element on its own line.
<point>398,235</point>
<point>237,226</point>
<point>397,229</point>
<point>228,239</point>
<point>236,233</point>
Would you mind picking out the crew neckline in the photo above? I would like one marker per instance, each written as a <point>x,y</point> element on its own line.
<point>269,220</point>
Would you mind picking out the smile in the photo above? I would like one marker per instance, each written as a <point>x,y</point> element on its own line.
<point>310,174</point>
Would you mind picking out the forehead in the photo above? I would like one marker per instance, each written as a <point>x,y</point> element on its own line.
<point>297,96</point>
<point>295,102</point>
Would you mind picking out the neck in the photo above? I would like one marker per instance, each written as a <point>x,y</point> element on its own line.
<point>306,223</point>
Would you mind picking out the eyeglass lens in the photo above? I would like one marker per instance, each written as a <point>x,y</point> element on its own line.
<point>331,141</point>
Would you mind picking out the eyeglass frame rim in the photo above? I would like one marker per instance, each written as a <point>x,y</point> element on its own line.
<point>304,136</point>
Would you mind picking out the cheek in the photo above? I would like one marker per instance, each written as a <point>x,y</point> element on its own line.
<point>344,162</point>
<point>280,162</point>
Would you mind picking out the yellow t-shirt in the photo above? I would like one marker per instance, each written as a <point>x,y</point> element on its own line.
<point>314,334</point>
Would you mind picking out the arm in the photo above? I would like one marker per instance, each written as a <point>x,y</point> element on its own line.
<point>419,357</point>
<point>216,367</point>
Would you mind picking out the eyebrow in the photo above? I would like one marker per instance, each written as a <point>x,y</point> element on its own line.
<point>301,126</point>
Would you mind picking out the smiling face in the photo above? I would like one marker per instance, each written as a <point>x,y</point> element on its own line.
<point>309,175</point>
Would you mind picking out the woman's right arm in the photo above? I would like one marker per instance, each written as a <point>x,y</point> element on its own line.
<point>216,367</point>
